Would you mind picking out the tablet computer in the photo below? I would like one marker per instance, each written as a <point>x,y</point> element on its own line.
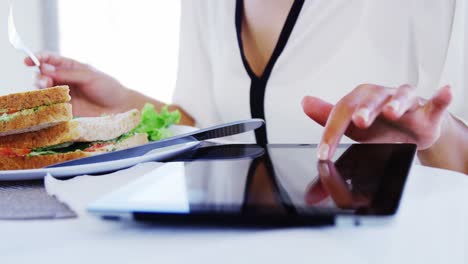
<point>276,185</point>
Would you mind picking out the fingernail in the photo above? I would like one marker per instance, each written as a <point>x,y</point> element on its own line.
<point>48,68</point>
<point>394,105</point>
<point>322,152</point>
<point>364,114</point>
<point>421,102</point>
<point>303,101</point>
<point>324,171</point>
<point>41,83</point>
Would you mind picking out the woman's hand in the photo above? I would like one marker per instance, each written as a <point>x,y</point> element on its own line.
<point>377,114</point>
<point>93,92</point>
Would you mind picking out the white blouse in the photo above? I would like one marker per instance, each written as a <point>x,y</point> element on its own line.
<point>334,46</point>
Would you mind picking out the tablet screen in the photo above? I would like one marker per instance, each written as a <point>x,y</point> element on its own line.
<point>276,181</point>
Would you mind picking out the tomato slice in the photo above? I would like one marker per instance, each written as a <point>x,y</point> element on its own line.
<point>97,146</point>
<point>9,111</point>
<point>14,152</point>
<point>12,111</point>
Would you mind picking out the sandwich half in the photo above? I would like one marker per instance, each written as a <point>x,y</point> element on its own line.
<point>78,138</point>
<point>34,110</point>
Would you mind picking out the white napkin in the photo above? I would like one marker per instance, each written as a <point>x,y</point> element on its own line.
<point>78,192</point>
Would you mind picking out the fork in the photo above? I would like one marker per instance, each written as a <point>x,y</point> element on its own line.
<point>15,39</point>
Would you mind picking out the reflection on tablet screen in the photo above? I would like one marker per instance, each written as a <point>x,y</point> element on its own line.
<point>283,179</point>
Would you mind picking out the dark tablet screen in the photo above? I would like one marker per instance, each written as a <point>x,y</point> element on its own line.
<point>277,183</point>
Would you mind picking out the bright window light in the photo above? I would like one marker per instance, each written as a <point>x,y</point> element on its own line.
<point>134,41</point>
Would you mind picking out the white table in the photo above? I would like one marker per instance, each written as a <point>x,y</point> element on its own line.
<point>431,227</point>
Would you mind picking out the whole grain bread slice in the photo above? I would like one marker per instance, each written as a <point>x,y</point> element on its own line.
<point>32,99</point>
<point>40,118</point>
<point>36,162</point>
<point>55,135</point>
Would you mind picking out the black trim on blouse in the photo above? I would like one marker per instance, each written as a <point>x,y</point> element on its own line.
<point>257,94</point>
<point>259,83</point>
<point>281,196</point>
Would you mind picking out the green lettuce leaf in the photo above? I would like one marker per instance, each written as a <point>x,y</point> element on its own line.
<point>156,124</point>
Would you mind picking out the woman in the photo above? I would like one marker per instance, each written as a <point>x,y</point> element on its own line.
<point>365,62</point>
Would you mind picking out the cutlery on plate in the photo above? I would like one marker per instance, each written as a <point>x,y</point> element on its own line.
<point>15,39</point>
<point>218,131</point>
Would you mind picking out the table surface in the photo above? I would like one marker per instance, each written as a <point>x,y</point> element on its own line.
<point>430,227</point>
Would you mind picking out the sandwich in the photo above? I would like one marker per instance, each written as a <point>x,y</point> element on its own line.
<point>34,110</point>
<point>37,129</point>
<point>77,138</point>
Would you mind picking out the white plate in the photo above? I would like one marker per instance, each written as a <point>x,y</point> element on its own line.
<point>97,168</point>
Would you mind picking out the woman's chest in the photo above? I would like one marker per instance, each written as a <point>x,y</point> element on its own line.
<point>333,47</point>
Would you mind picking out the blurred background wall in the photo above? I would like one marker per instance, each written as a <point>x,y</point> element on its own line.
<point>13,75</point>
<point>134,41</point>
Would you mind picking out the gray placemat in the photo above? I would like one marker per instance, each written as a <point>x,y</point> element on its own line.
<point>28,200</point>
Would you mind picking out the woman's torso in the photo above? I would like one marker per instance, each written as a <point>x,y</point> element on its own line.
<point>333,47</point>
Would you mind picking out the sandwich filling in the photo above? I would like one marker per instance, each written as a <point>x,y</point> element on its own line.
<point>98,146</point>
<point>10,114</point>
<point>8,111</point>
